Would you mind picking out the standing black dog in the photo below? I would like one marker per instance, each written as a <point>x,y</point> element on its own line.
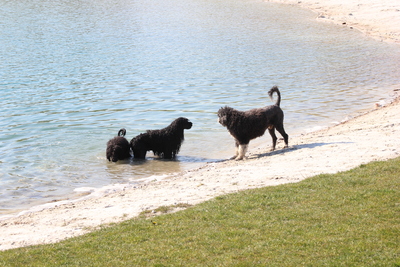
<point>164,143</point>
<point>247,125</point>
<point>118,148</point>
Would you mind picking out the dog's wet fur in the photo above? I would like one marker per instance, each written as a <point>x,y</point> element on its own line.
<point>247,125</point>
<point>165,143</point>
<point>118,147</point>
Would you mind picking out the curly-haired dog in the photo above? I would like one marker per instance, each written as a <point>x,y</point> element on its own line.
<point>164,143</point>
<point>247,125</point>
<point>118,148</point>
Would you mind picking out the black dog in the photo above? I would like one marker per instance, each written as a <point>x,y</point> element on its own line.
<point>118,148</point>
<point>164,143</point>
<point>247,125</point>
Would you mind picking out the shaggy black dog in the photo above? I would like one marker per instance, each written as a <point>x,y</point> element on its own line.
<point>164,143</point>
<point>247,125</point>
<point>118,148</point>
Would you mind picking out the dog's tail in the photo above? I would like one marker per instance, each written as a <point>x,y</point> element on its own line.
<point>273,90</point>
<point>122,132</point>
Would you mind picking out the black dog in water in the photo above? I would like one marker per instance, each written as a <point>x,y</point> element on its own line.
<point>118,148</point>
<point>247,125</point>
<point>164,143</point>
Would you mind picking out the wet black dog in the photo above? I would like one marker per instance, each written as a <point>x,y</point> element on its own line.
<point>164,143</point>
<point>118,148</point>
<point>247,125</point>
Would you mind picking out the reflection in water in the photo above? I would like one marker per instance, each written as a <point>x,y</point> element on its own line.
<point>138,168</point>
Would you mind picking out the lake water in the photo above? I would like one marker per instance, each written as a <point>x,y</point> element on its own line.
<point>74,72</point>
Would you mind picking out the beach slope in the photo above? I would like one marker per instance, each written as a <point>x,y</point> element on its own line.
<point>378,19</point>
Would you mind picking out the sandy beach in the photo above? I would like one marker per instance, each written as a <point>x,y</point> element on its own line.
<point>368,137</point>
<point>378,19</point>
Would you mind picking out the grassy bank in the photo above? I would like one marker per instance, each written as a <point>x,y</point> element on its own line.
<point>346,219</point>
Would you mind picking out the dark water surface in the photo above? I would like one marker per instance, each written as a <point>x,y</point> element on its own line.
<point>74,72</point>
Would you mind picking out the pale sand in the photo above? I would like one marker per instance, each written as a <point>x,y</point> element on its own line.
<point>379,19</point>
<point>372,136</point>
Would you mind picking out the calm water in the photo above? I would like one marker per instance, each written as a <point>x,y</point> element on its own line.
<point>74,72</point>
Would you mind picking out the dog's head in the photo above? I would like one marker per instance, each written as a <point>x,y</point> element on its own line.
<point>223,115</point>
<point>116,149</point>
<point>183,123</point>
<point>117,153</point>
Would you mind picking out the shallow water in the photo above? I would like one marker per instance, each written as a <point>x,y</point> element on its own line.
<point>74,72</point>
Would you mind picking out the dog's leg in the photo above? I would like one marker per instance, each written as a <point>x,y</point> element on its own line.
<point>139,154</point>
<point>281,130</point>
<point>271,131</point>
<point>236,149</point>
<point>167,154</point>
<point>242,151</point>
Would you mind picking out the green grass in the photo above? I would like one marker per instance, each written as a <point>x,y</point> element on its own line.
<point>347,219</point>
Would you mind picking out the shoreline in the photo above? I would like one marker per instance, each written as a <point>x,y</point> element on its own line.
<point>378,20</point>
<point>368,137</point>
<point>364,138</point>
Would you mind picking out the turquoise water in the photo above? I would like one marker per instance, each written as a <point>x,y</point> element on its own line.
<point>74,72</point>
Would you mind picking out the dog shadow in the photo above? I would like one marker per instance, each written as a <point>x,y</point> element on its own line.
<point>294,148</point>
